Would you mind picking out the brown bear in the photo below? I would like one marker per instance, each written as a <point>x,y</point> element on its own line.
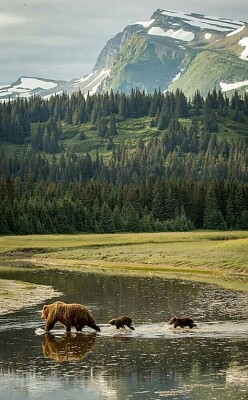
<point>182,322</point>
<point>71,347</point>
<point>120,322</point>
<point>70,315</point>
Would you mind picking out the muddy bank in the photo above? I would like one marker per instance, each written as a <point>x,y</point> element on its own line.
<point>17,295</point>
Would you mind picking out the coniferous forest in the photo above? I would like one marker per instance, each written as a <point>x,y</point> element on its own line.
<point>188,169</point>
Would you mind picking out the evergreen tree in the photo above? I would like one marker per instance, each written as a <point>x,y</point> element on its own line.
<point>102,127</point>
<point>131,221</point>
<point>106,222</point>
<point>213,218</point>
<point>112,128</point>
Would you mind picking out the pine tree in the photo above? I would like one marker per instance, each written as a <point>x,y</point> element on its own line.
<point>106,222</point>
<point>213,217</point>
<point>102,127</point>
<point>132,220</point>
<point>112,128</point>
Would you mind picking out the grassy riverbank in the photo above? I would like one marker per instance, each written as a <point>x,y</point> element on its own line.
<point>198,252</point>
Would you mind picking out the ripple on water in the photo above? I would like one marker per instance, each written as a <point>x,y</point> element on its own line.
<point>218,329</point>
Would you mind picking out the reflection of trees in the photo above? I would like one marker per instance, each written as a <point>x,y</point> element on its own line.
<point>70,347</point>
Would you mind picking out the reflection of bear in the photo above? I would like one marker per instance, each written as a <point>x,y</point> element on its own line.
<point>120,322</point>
<point>69,347</point>
<point>182,322</point>
<point>69,315</point>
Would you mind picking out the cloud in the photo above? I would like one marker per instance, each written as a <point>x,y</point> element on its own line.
<point>10,20</point>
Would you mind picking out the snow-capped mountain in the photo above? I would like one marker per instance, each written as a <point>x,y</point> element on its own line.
<point>29,86</point>
<point>26,87</point>
<point>170,50</point>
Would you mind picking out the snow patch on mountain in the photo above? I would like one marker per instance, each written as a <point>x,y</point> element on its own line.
<point>236,31</point>
<point>89,83</point>
<point>34,83</point>
<point>225,87</point>
<point>180,34</point>
<point>244,54</point>
<point>205,22</point>
<point>27,87</point>
<point>145,24</point>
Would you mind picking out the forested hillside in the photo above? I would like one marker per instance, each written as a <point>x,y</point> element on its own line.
<point>116,162</point>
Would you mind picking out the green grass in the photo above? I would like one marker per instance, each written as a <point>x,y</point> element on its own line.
<point>218,258</point>
<point>206,252</point>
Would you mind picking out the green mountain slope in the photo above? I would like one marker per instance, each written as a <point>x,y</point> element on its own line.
<point>142,63</point>
<point>221,67</point>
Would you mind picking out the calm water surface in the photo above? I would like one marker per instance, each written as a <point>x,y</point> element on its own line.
<point>152,362</point>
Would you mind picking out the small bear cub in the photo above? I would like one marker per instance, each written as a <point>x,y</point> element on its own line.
<point>182,322</point>
<point>120,322</point>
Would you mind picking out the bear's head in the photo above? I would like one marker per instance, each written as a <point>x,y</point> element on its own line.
<point>45,312</point>
<point>172,320</point>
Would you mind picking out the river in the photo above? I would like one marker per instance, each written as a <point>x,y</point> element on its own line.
<point>152,362</point>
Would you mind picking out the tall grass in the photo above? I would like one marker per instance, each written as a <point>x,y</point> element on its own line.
<point>192,251</point>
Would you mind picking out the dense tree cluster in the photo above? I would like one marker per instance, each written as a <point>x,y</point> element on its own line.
<point>98,206</point>
<point>100,109</point>
<point>185,177</point>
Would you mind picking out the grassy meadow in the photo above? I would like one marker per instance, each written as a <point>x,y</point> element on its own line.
<point>198,252</point>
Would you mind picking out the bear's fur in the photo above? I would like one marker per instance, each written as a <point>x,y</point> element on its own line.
<point>70,315</point>
<point>182,322</point>
<point>120,322</point>
<point>71,347</point>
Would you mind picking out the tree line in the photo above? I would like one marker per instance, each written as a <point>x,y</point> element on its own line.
<point>155,204</point>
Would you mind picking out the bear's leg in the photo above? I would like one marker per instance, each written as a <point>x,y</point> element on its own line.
<point>130,326</point>
<point>79,328</point>
<point>68,328</point>
<point>119,324</point>
<point>49,325</point>
<point>95,327</point>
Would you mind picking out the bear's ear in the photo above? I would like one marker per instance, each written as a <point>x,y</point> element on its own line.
<point>44,307</point>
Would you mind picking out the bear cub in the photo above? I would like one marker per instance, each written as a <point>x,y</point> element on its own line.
<point>182,322</point>
<point>120,322</point>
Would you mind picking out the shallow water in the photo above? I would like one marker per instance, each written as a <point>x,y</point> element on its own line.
<point>154,361</point>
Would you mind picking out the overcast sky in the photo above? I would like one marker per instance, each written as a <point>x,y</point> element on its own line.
<point>61,39</point>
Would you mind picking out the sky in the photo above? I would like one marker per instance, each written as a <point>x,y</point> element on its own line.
<point>61,39</point>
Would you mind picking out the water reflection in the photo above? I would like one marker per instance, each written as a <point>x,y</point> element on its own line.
<point>69,347</point>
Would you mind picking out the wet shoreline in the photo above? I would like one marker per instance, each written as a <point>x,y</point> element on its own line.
<point>16,295</point>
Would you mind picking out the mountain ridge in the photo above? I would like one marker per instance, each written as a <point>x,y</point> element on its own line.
<point>172,50</point>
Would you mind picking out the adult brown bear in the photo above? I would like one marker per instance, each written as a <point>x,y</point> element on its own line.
<point>70,315</point>
<point>120,322</point>
<point>182,322</point>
